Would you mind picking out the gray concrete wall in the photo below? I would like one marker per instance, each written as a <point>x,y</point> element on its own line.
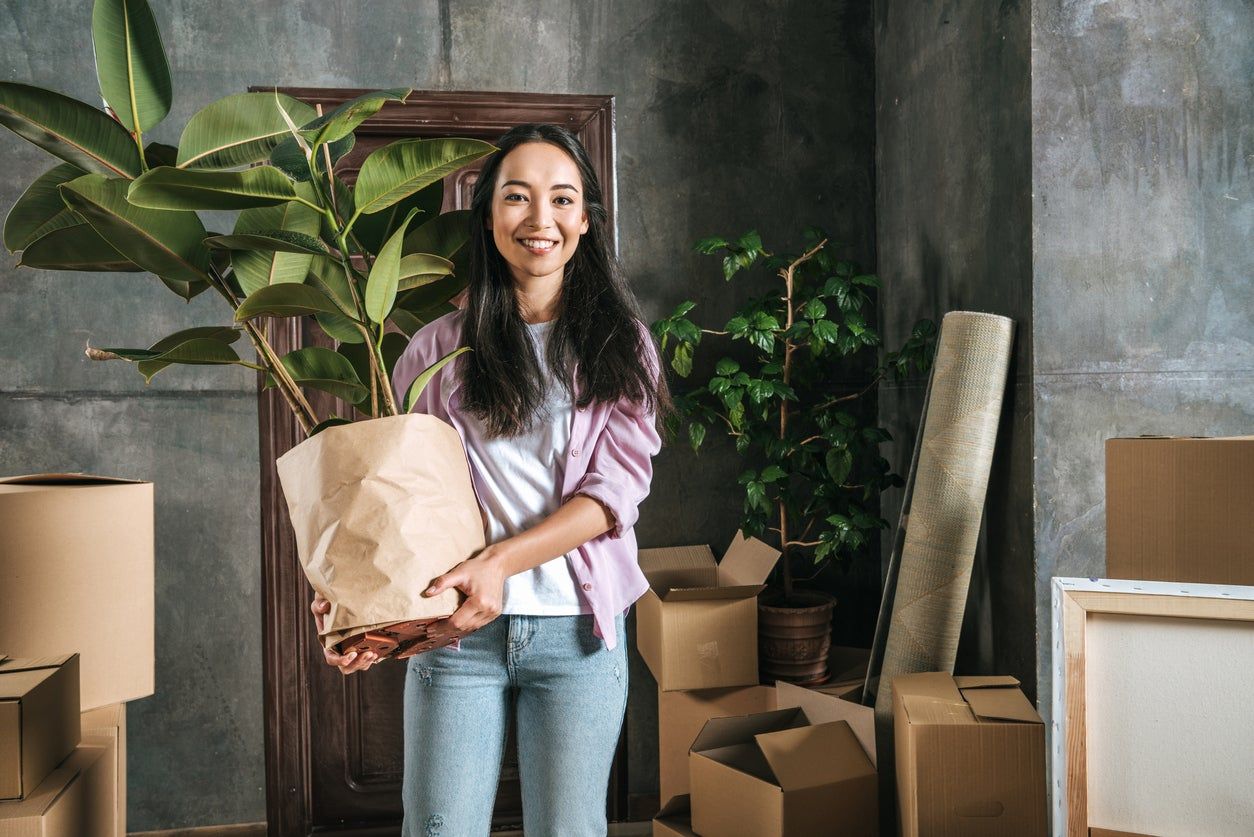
<point>1143,139</point>
<point>731,116</point>
<point>953,215</point>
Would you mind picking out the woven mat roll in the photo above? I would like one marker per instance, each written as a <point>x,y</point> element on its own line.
<point>968,383</point>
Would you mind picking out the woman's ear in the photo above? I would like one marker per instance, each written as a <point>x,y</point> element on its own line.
<point>583,227</point>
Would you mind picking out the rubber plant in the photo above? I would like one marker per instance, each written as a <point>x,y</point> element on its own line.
<point>818,474</point>
<point>304,243</point>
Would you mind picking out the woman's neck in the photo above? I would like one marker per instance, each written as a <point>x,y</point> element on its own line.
<point>538,297</point>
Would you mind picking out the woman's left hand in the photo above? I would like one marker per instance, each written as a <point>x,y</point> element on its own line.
<point>482,579</point>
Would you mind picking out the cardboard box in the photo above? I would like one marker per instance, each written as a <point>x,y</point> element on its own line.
<point>681,715</point>
<point>39,724</point>
<point>1178,509</point>
<point>970,757</point>
<point>774,773</point>
<point>107,725</point>
<point>697,625</point>
<point>73,801</point>
<point>675,819</point>
<point>76,568</point>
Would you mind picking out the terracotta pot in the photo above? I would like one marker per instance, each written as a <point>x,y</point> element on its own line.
<point>793,639</point>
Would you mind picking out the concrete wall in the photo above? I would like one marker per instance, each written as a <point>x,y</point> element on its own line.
<point>953,215</point>
<point>731,116</point>
<point>1143,136</point>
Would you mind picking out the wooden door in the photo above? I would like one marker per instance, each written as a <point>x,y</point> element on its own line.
<point>333,743</point>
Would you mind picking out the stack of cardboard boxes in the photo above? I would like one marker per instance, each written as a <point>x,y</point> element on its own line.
<point>736,757</point>
<point>76,621</point>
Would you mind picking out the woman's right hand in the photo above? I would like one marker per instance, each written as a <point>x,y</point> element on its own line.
<point>346,663</point>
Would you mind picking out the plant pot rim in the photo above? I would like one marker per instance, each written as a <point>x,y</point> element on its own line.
<point>769,600</point>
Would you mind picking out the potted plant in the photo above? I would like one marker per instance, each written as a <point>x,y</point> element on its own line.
<point>358,259</point>
<point>816,476</point>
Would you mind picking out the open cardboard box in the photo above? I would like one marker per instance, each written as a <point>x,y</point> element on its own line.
<point>970,757</point>
<point>76,568</point>
<point>106,727</point>
<point>697,625</point>
<point>775,773</point>
<point>39,723</point>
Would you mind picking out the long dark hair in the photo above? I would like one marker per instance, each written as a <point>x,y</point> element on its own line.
<point>598,317</point>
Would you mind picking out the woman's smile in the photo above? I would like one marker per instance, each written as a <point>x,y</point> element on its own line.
<point>539,246</point>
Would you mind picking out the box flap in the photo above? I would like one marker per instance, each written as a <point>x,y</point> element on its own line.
<point>1005,704</point>
<point>8,664</point>
<point>739,729</point>
<point>822,707</point>
<point>679,566</point>
<point>676,806</point>
<point>687,594</point>
<point>15,685</point>
<point>921,709</point>
<point>932,684</point>
<point>814,756</point>
<point>747,561</point>
<point>76,478</point>
<point>987,681</point>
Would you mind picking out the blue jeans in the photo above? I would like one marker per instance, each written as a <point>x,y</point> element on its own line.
<point>568,694</point>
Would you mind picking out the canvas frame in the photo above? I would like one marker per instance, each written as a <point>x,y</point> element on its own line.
<point>1073,600</point>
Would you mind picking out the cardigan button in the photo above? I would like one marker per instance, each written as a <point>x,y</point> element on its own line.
<point>587,586</point>
<point>574,451</point>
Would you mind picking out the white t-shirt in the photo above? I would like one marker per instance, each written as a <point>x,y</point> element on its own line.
<point>519,480</point>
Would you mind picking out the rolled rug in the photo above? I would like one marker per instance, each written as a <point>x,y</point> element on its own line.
<point>955,455</point>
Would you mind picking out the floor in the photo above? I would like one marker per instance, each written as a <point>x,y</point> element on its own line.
<point>627,829</point>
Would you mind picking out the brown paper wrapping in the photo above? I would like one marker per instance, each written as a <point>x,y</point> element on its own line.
<point>380,508</point>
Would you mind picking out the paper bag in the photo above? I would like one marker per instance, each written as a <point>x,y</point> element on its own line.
<point>381,507</point>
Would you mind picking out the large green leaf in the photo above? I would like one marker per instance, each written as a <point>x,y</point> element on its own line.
<point>327,370</point>
<point>373,230</point>
<point>130,62</point>
<point>77,247</point>
<point>401,168</point>
<point>384,276</point>
<point>167,187</point>
<point>344,119</point>
<point>201,346</point>
<point>426,296</point>
<point>289,158</point>
<point>272,241</point>
<point>160,154</point>
<point>238,130</point>
<point>419,269</point>
<point>285,300</point>
<point>328,274</point>
<point>445,235</point>
<point>169,244</point>
<point>420,383</point>
<point>69,129</point>
<point>255,269</point>
<point>340,327</point>
<point>40,209</point>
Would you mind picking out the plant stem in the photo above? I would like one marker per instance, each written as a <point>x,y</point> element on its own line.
<point>291,392</point>
<point>852,396</point>
<point>785,544</point>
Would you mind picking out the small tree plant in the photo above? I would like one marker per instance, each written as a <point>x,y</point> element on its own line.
<point>817,472</point>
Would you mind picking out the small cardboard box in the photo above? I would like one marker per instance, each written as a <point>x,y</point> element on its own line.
<point>675,818</point>
<point>76,568</point>
<point>39,724</point>
<point>1178,509</point>
<point>697,625</point>
<point>970,757</point>
<point>774,773</point>
<point>73,801</point>
<point>107,727</point>
<point>681,715</point>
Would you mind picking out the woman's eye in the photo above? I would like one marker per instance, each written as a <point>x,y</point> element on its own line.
<point>515,195</point>
<point>564,198</point>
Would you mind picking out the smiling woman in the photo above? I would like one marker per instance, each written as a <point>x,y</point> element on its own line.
<point>557,404</point>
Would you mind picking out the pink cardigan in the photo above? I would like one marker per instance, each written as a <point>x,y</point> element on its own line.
<point>609,459</point>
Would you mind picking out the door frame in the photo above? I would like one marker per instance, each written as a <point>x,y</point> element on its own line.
<point>287,626</point>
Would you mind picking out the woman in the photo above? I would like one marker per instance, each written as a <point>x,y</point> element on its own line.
<point>557,407</point>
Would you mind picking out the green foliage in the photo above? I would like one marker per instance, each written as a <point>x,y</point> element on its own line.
<point>304,243</point>
<point>820,466</point>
